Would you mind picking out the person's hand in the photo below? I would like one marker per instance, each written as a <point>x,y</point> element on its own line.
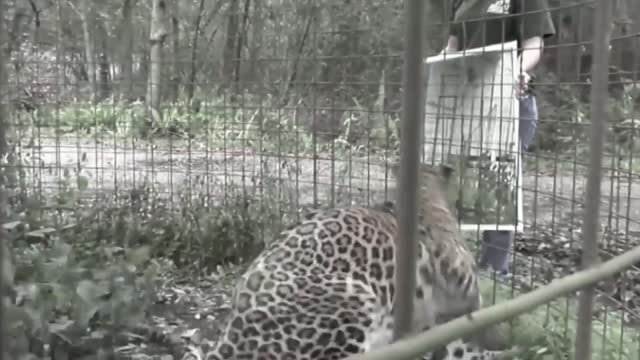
<point>521,84</point>
<point>448,50</point>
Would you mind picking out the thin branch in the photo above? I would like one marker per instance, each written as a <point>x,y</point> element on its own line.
<point>296,62</point>
<point>213,13</point>
<point>417,345</point>
<point>240,39</point>
<point>75,9</point>
<point>194,52</point>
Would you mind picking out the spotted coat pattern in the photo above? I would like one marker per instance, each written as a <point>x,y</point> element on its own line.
<point>324,288</point>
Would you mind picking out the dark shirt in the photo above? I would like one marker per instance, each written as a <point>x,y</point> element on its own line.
<point>478,23</point>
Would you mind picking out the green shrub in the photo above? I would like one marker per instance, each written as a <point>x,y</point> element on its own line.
<point>84,270</point>
<point>68,302</point>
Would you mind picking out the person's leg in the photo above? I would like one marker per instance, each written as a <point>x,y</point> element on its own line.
<point>497,245</point>
<point>528,120</point>
<point>496,250</point>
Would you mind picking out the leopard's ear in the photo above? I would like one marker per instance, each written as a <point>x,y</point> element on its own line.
<point>447,171</point>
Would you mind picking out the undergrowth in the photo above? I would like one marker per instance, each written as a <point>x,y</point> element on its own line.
<point>548,332</point>
<point>83,271</point>
<point>251,123</point>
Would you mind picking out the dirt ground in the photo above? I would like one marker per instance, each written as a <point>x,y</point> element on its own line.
<point>550,195</point>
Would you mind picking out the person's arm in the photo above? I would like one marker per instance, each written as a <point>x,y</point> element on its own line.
<point>452,41</point>
<point>531,53</point>
<point>452,44</point>
<point>534,25</point>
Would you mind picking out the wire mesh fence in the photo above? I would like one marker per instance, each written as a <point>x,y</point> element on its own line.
<point>200,129</point>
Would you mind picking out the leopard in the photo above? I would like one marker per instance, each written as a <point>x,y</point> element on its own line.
<point>324,287</point>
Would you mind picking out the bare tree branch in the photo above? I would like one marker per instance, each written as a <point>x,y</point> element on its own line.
<point>75,9</point>
<point>194,52</point>
<point>296,62</point>
<point>214,12</point>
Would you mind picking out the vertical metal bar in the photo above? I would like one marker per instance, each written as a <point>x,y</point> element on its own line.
<point>409,160</point>
<point>4,130</point>
<point>590,225</point>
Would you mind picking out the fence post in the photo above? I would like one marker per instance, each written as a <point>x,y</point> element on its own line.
<point>591,219</point>
<point>412,120</point>
<point>4,86</point>
<point>4,122</point>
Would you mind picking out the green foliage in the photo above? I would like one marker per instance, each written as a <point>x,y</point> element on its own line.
<point>548,332</point>
<point>562,114</point>
<point>625,116</point>
<point>246,122</point>
<point>565,115</point>
<point>216,122</point>
<point>81,271</point>
<point>62,297</point>
<point>191,233</point>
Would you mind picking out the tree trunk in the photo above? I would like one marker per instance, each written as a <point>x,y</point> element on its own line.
<point>36,21</point>
<point>126,51</point>
<point>60,67</point>
<point>242,33</point>
<point>15,34</point>
<point>175,31</point>
<point>4,121</point>
<point>194,51</point>
<point>84,13</point>
<point>104,64</point>
<point>4,101</point>
<point>256,40</point>
<point>157,37</point>
<point>14,39</point>
<point>143,73</point>
<point>294,70</point>
<point>230,42</point>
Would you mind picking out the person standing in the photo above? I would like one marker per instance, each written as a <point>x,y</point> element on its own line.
<point>478,23</point>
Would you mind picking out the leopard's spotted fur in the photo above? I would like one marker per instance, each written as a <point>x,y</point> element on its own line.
<point>324,288</point>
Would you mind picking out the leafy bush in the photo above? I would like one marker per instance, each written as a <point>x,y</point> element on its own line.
<point>190,234</point>
<point>565,115</point>
<point>85,270</point>
<point>248,122</point>
<point>67,303</point>
<point>215,121</point>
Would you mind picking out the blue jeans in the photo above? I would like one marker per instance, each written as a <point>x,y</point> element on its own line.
<point>528,120</point>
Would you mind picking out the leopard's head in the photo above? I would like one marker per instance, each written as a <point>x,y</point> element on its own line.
<point>430,177</point>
